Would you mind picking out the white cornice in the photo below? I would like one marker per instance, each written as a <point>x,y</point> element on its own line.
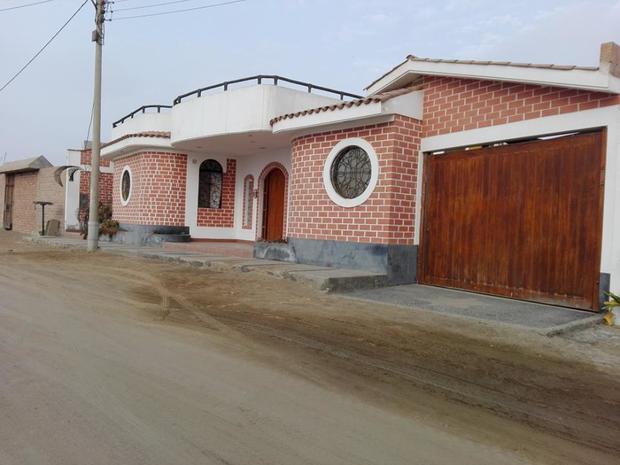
<point>593,80</point>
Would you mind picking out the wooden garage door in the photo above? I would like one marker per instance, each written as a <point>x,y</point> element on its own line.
<point>522,220</point>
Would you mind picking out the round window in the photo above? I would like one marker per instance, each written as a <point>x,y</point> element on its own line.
<point>351,172</point>
<point>125,186</point>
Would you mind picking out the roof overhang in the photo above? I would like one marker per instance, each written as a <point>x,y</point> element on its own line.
<point>133,143</point>
<point>409,104</point>
<point>597,80</point>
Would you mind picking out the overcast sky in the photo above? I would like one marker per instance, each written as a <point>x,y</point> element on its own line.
<point>343,44</point>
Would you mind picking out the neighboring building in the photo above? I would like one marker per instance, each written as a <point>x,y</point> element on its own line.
<point>22,183</point>
<point>494,177</point>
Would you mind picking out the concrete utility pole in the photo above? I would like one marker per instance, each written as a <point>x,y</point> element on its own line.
<point>93,214</point>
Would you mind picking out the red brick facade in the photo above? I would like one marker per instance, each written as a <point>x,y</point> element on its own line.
<point>158,185</point>
<point>453,105</point>
<point>222,217</point>
<point>387,217</point>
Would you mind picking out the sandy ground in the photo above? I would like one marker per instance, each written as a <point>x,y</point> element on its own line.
<point>111,360</point>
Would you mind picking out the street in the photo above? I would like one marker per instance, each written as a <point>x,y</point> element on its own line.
<point>111,360</point>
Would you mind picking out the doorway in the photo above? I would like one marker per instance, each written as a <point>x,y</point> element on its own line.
<point>9,189</point>
<point>273,206</point>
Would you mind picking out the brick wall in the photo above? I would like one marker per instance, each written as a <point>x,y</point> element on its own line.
<point>105,184</point>
<point>158,181</point>
<point>222,217</point>
<point>453,105</point>
<point>24,194</point>
<point>387,217</point>
<point>50,191</point>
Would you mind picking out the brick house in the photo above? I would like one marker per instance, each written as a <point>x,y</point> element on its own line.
<point>22,183</point>
<point>492,177</point>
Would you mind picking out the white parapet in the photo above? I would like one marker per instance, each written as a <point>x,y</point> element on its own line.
<point>239,111</point>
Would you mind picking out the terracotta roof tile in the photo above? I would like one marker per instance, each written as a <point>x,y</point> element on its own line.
<point>488,62</point>
<point>378,98</point>
<point>155,134</point>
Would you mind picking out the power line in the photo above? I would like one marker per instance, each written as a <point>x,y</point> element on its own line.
<point>26,5</point>
<point>44,46</point>
<point>151,6</point>
<point>213,5</point>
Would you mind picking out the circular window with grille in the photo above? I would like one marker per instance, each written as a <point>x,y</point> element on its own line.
<point>351,172</point>
<point>125,186</point>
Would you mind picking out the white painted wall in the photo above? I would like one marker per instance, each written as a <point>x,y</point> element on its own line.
<point>143,122</point>
<point>252,164</point>
<point>608,117</point>
<point>241,110</point>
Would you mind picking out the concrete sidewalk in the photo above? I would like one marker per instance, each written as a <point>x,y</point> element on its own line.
<point>321,278</point>
<point>545,319</point>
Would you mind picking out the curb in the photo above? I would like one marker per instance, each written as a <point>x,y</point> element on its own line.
<point>584,323</point>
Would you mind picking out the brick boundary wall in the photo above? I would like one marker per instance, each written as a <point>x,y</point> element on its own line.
<point>105,184</point>
<point>388,216</point>
<point>248,192</point>
<point>159,181</point>
<point>50,191</point>
<point>261,193</point>
<point>454,105</point>
<point>222,217</point>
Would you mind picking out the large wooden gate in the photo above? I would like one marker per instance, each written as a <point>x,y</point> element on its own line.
<point>9,189</point>
<point>521,220</point>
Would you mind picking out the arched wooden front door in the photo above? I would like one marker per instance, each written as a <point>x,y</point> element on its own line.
<point>273,206</point>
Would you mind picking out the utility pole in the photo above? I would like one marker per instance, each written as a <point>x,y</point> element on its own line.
<point>93,211</point>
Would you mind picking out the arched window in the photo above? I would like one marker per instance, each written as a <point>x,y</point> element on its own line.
<point>210,185</point>
<point>248,201</point>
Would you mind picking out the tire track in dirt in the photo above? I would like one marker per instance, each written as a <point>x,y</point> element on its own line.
<point>387,360</point>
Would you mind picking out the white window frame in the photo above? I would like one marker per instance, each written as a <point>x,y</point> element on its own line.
<point>124,202</point>
<point>374,172</point>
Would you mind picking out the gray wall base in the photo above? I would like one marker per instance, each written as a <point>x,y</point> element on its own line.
<point>274,251</point>
<point>398,262</point>
<point>603,286</point>
<point>142,234</point>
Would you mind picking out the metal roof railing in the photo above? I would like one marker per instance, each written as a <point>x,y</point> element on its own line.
<point>142,109</point>
<point>226,84</point>
<point>260,78</point>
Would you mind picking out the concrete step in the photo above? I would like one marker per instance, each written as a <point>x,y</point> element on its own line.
<point>318,277</point>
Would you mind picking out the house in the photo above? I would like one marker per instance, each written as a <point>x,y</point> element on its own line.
<point>24,182</point>
<point>493,177</point>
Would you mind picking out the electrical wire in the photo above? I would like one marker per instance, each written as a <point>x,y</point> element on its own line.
<point>23,68</point>
<point>213,5</point>
<point>25,6</point>
<point>154,5</point>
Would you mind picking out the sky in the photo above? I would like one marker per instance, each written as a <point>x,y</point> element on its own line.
<point>341,44</point>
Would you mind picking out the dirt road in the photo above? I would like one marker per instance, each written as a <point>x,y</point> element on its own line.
<point>110,360</point>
